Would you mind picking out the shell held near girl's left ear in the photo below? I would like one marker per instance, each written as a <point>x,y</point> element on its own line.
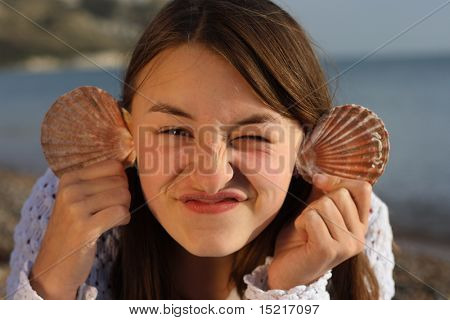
<point>87,125</point>
<point>349,141</point>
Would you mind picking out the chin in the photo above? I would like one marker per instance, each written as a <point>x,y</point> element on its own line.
<point>211,249</point>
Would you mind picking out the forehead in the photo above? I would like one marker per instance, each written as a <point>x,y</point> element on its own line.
<point>201,82</point>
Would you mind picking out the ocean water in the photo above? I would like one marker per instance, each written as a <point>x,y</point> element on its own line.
<point>412,96</point>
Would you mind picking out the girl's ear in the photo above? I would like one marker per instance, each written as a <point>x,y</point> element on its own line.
<point>296,172</point>
<point>307,129</point>
<point>126,117</point>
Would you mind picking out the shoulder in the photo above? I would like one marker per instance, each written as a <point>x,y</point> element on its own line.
<point>378,210</point>
<point>48,178</point>
<point>29,233</point>
<point>37,207</point>
<point>39,203</point>
<point>379,235</point>
<point>45,186</point>
<point>379,241</point>
<point>36,210</point>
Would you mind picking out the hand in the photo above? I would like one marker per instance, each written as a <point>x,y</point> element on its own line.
<point>89,202</point>
<point>330,230</point>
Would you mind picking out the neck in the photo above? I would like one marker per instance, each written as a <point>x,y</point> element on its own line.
<point>199,278</point>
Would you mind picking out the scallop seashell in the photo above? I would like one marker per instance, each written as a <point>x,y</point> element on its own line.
<point>85,126</point>
<point>350,142</point>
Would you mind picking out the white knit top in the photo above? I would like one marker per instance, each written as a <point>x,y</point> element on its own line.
<point>38,207</point>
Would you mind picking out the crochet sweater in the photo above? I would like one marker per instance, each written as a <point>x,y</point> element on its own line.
<point>37,209</point>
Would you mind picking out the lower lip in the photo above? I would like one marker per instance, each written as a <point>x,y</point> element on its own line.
<point>218,207</point>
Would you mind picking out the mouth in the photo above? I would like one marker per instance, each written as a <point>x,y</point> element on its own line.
<point>214,201</point>
<point>220,202</point>
<point>213,198</point>
<point>211,207</point>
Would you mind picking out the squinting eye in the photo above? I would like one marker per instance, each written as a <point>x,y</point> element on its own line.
<point>258,138</point>
<point>172,131</point>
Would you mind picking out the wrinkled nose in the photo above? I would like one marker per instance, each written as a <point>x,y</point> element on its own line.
<point>211,167</point>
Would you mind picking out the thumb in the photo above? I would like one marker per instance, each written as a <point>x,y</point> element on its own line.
<point>321,184</point>
<point>325,182</point>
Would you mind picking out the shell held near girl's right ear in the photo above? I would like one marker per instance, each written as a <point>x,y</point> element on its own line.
<point>87,125</point>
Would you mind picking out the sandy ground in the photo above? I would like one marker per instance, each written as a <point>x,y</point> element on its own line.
<point>421,272</point>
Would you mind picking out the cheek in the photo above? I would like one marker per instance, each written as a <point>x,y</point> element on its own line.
<point>153,188</point>
<point>160,156</point>
<point>270,175</point>
<point>271,164</point>
<point>274,187</point>
<point>270,194</point>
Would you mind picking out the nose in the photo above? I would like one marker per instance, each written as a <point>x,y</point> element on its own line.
<point>211,166</point>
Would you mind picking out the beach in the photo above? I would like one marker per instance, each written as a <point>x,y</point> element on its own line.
<point>421,271</point>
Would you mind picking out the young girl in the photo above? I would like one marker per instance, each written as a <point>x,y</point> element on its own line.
<point>236,84</point>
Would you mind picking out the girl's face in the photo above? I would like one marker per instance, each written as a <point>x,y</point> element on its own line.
<point>209,149</point>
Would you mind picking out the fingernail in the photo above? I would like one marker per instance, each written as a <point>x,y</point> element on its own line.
<point>319,178</point>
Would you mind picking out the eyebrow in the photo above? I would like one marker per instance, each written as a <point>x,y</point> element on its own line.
<point>263,118</point>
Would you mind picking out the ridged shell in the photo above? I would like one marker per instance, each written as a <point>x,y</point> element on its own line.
<point>350,142</point>
<point>85,126</point>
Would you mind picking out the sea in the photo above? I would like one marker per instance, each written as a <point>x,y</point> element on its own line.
<point>411,95</point>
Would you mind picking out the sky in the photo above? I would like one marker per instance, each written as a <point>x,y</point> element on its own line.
<point>355,27</point>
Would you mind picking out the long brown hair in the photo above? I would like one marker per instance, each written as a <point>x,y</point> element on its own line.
<point>275,56</point>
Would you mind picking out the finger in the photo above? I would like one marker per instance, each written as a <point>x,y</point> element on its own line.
<point>360,191</point>
<point>314,226</point>
<point>92,187</point>
<point>109,218</point>
<point>321,185</point>
<point>332,217</point>
<point>93,204</point>
<point>97,170</point>
<point>347,208</point>
<point>326,182</point>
